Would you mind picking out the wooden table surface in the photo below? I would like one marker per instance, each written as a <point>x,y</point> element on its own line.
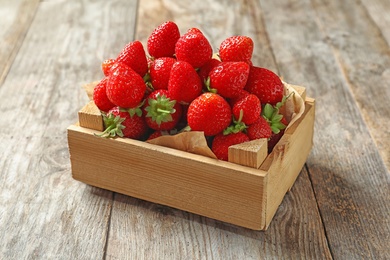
<point>339,206</point>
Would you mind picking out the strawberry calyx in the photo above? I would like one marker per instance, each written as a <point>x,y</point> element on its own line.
<point>207,85</point>
<point>273,117</point>
<point>237,126</point>
<point>134,110</point>
<point>160,109</point>
<point>113,126</point>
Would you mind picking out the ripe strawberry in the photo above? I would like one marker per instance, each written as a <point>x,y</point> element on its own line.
<point>241,94</point>
<point>194,48</point>
<point>159,133</point>
<point>250,107</point>
<point>106,66</point>
<point>133,55</point>
<point>100,97</point>
<point>221,143</point>
<point>236,48</point>
<point>125,88</point>
<point>259,129</point>
<point>204,71</point>
<point>265,84</point>
<point>119,122</point>
<point>229,78</point>
<point>162,41</point>
<point>209,113</point>
<point>162,113</point>
<point>160,70</point>
<point>184,83</point>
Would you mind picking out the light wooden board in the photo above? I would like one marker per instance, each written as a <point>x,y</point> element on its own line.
<point>349,177</point>
<point>50,49</point>
<point>172,234</point>
<point>44,213</point>
<point>16,17</point>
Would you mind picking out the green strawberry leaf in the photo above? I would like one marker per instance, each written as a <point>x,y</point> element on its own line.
<point>113,126</point>
<point>160,109</point>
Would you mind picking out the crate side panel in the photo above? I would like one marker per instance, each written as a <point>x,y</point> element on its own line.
<point>287,159</point>
<point>191,183</point>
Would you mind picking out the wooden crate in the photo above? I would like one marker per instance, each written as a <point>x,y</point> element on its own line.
<point>246,196</point>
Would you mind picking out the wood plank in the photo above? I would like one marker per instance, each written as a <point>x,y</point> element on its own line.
<point>44,213</point>
<point>174,234</point>
<point>16,17</point>
<point>351,182</point>
<point>250,154</point>
<point>378,11</point>
<point>144,230</point>
<point>363,55</point>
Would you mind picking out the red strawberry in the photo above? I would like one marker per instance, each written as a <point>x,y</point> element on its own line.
<point>204,71</point>
<point>125,88</point>
<point>106,66</point>
<point>121,123</point>
<point>265,84</point>
<point>209,113</point>
<point>250,107</point>
<point>133,55</point>
<point>160,69</point>
<point>241,94</point>
<point>221,143</point>
<point>259,129</point>
<point>162,41</point>
<point>229,78</point>
<point>100,97</point>
<point>184,83</point>
<point>236,48</point>
<point>162,113</point>
<point>194,48</point>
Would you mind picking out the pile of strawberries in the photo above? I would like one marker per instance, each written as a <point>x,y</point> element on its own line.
<point>182,86</point>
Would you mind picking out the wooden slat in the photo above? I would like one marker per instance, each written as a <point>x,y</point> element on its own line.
<point>173,234</point>
<point>378,11</point>
<point>16,17</point>
<point>44,213</point>
<point>351,182</point>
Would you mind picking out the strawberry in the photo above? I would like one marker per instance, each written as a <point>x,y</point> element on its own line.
<point>209,113</point>
<point>241,94</point>
<point>106,66</point>
<point>229,78</point>
<point>119,122</point>
<point>162,41</point>
<point>194,48</point>
<point>259,129</point>
<point>250,107</point>
<point>125,88</point>
<point>204,71</point>
<point>133,55</point>
<point>273,140</point>
<point>236,48</point>
<point>162,113</point>
<point>184,83</point>
<point>221,143</point>
<point>265,84</point>
<point>159,133</point>
<point>100,96</point>
<point>160,70</point>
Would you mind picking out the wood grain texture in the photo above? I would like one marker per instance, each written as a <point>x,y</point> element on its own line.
<point>378,11</point>
<point>363,55</point>
<point>173,234</point>
<point>350,180</point>
<point>16,17</point>
<point>44,213</point>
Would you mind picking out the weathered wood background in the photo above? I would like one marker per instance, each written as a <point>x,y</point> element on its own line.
<point>339,206</point>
